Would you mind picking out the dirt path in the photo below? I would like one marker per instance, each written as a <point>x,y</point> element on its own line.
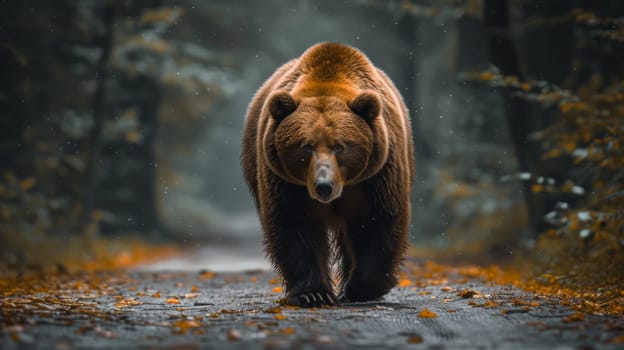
<point>188,310</point>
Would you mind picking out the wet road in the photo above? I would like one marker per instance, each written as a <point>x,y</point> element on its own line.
<point>240,310</point>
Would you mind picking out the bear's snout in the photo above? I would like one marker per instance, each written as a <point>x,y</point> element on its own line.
<point>324,185</point>
<point>324,189</point>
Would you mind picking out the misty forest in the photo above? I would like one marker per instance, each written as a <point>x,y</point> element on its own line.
<point>125,219</point>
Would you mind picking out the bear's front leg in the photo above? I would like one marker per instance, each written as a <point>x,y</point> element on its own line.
<point>298,247</point>
<point>376,246</point>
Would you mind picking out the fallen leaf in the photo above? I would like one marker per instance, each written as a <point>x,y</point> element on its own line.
<point>426,313</point>
<point>205,275</point>
<point>275,310</point>
<point>183,326</point>
<point>126,302</point>
<point>468,293</point>
<point>288,331</point>
<point>575,317</point>
<point>194,289</point>
<point>156,295</point>
<point>277,289</point>
<point>405,282</point>
<point>280,317</point>
<point>229,311</point>
<point>415,339</point>
<point>173,301</point>
<point>490,304</point>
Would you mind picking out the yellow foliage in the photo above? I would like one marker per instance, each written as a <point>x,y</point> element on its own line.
<point>28,183</point>
<point>160,15</point>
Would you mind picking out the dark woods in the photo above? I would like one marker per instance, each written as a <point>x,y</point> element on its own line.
<point>82,89</point>
<point>516,109</point>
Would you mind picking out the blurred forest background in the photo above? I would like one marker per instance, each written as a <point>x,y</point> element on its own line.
<point>123,119</point>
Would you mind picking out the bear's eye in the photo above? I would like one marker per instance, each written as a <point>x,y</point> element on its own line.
<point>307,148</point>
<point>338,148</point>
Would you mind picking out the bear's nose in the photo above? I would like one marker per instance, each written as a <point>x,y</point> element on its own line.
<point>324,189</point>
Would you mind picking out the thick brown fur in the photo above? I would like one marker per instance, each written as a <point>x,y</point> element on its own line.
<point>327,150</point>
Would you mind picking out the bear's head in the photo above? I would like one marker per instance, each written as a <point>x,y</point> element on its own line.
<point>324,142</point>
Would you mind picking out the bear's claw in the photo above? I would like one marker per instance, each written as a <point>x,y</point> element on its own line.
<point>311,299</point>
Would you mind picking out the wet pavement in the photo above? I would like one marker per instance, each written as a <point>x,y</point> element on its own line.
<point>241,310</point>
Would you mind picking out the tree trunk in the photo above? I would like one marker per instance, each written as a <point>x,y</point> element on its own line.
<point>502,54</point>
<point>94,139</point>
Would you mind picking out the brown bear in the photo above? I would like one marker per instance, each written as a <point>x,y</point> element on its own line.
<point>327,153</point>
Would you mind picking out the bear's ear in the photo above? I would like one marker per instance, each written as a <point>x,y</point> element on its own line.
<point>281,105</point>
<point>367,105</point>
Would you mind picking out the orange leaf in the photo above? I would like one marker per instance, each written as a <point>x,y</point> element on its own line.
<point>277,289</point>
<point>275,310</point>
<point>415,339</point>
<point>405,283</point>
<point>280,317</point>
<point>576,317</point>
<point>182,326</point>
<point>426,313</point>
<point>173,301</point>
<point>205,275</point>
<point>288,331</point>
